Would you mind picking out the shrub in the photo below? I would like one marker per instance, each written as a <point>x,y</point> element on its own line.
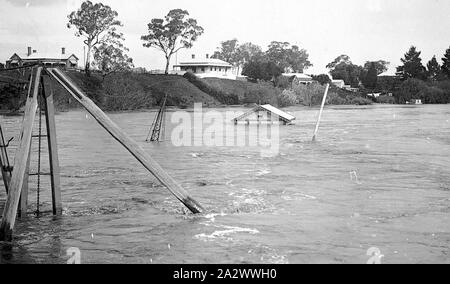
<point>309,95</point>
<point>335,99</point>
<point>360,101</point>
<point>432,95</point>
<point>287,98</point>
<point>409,90</point>
<point>385,100</point>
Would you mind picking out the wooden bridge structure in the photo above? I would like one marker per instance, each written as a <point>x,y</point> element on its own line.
<point>16,179</point>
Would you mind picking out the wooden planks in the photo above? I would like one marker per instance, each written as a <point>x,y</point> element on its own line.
<point>20,159</point>
<point>6,175</point>
<point>52,146</point>
<point>133,147</point>
<point>321,111</point>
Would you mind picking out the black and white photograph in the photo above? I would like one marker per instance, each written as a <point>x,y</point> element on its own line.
<point>225,139</point>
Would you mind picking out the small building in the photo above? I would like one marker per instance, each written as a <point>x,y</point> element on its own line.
<point>265,114</point>
<point>206,68</point>
<point>416,102</point>
<point>61,59</point>
<point>299,78</point>
<point>374,95</point>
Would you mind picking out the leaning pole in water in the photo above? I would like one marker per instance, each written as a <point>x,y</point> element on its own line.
<point>132,146</point>
<point>320,113</point>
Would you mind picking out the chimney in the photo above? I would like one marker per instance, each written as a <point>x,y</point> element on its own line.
<point>193,56</point>
<point>63,51</point>
<point>29,51</point>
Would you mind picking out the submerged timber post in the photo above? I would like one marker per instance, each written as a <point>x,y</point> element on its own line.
<point>144,158</point>
<point>21,159</point>
<point>6,174</point>
<point>52,145</point>
<point>320,113</point>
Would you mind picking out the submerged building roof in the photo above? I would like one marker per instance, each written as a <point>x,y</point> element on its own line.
<point>283,116</point>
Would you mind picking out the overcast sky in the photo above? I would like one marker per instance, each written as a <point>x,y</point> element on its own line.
<point>363,29</point>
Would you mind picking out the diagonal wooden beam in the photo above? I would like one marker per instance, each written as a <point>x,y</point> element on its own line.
<point>6,175</point>
<point>20,159</point>
<point>132,146</point>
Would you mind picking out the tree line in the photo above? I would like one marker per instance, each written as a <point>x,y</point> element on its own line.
<point>98,24</point>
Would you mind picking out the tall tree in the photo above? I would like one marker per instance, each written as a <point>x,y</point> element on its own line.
<point>289,58</point>
<point>262,70</point>
<point>433,69</point>
<point>96,23</point>
<point>342,68</point>
<point>371,77</point>
<point>322,79</point>
<point>111,57</point>
<point>249,51</point>
<point>446,63</point>
<point>176,31</point>
<point>345,59</point>
<point>412,65</point>
<point>381,66</point>
<point>228,51</point>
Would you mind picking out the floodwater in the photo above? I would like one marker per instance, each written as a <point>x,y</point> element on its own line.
<point>378,176</point>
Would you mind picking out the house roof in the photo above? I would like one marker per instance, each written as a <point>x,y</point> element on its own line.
<point>43,56</point>
<point>204,62</point>
<point>284,116</point>
<point>298,76</point>
<point>278,112</point>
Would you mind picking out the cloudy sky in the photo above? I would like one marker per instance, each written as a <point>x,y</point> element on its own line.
<point>363,29</point>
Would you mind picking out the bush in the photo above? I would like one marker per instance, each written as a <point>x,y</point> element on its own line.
<point>287,98</point>
<point>309,95</point>
<point>385,100</point>
<point>335,99</point>
<point>247,92</point>
<point>360,101</point>
<point>409,90</point>
<point>433,95</point>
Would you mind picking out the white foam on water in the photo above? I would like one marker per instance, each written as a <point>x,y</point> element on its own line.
<point>263,172</point>
<point>223,234</point>
<point>298,196</point>
<point>212,217</point>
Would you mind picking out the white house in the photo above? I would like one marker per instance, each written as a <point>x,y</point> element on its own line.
<point>61,59</point>
<point>207,68</point>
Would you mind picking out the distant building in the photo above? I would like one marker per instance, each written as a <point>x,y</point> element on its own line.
<point>374,95</point>
<point>299,78</point>
<point>416,102</point>
<point>206,68</point>
<point>61,59</point>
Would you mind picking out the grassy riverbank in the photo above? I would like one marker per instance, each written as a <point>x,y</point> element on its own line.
<point>131,91</point>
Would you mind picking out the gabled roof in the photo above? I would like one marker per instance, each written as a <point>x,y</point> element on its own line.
<point>283,116</point>
<point>278,112</point>
<point>43,56</point>
<point>298,76</point>
<point>205,62</point>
